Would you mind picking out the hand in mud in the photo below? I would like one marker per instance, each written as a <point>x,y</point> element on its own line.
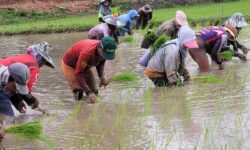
<point>23,110</point>
<point>103,82</point>
<point>221,66</point>
<point>245,50</point>
<point>92,97</point>
<point>22,107</point>
<point>242,57</point>
<point>186,77</point>
<point>1,132</point>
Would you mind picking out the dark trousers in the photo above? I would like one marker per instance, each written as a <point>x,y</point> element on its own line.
<point>160,81</point>
<point>141,22</point>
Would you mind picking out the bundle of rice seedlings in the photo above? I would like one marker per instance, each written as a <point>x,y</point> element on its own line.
<point>208,79</point>
<point>31,130</point>
<point>149,39</point>
<point>227,55</point>
<point>125,77</point>
<point>158,43</point>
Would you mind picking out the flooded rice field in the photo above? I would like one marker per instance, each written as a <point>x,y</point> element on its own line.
<point>136,115</point>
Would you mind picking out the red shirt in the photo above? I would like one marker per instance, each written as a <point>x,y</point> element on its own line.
<point>82,56</point>
<point>29,61</point>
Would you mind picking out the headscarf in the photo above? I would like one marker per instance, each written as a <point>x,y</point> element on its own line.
<point>41,53</point>
<point>237,20</point>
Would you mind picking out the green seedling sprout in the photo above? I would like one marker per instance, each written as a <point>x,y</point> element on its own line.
<point>124,77</point>
<point>208,79</point>
<point>227,55</point>
<point>31,130</point>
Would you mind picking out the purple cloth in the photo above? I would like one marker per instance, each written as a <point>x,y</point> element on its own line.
<point>215,38</point>
<point>99,31</point>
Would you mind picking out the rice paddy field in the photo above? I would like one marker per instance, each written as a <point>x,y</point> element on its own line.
<point>211,112</point>
<point>199,15</point>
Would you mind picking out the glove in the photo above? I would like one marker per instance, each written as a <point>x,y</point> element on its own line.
<point>103,82</point>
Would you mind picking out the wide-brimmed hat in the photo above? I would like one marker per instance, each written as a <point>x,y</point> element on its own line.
<point>108,45</point>
<point>20,74</point>
<point>115,21</point>
<point>146,8</point>
<point>180,18</point>
<point>232,30</point>
<point>237,20</point>
<point>41,53</point>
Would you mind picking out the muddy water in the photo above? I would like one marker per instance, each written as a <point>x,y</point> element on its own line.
<point>138,115</point>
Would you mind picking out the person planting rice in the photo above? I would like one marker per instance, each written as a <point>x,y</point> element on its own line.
<point>103,29</point>
<point>105,9</point>
<point>145,15</point>
<point>36,57</point>
<point>14,80</point>
<point>166,65</point>
<point>78,61</point>
<point>211,40</point>
<point>237,20</point>
<point>128,20</point>
<point>169,28</point>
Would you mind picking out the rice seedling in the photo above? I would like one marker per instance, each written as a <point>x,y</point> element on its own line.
<point>158,43</point>
<point>227,55</point>
<point>125,77</point>
<point>208,79</point>
<point>31,130</point>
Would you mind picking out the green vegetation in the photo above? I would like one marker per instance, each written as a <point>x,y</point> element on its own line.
<point>208,79</point>
<point>227,55</point>
<point>48,25</point>
<point>31,130</point>
<point>158,43</point>
<point>203,13</point>
<point>44,22</point>
<point>125,77</point>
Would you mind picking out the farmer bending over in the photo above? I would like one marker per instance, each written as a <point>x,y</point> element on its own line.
<point>36,57</point>
<point>211,40</point>
<point>166,65</point>
<point>101,30</point>
<point>145,15</point>
<point>128,20</point>
<point>105,9</point>
<point>168,28</point>
<point>78,61</point>
<point>14,80</point>
<point>238,21</point>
